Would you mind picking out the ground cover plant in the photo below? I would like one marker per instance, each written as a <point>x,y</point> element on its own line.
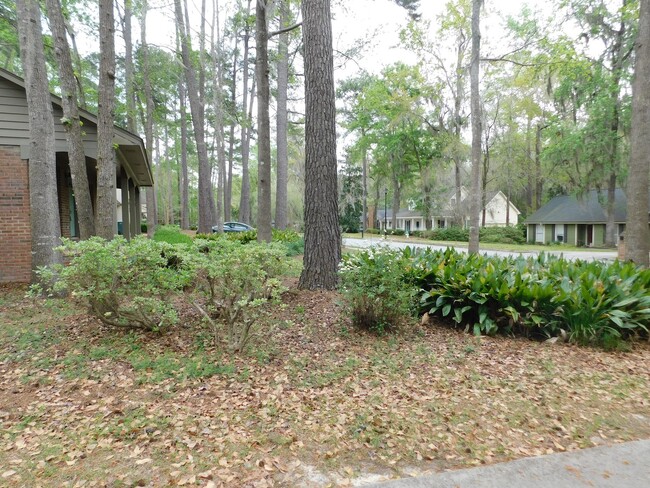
<point>311,402</point>
<point>544,296</point>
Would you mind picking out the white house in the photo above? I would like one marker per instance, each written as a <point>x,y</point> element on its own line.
<point>494,214</point>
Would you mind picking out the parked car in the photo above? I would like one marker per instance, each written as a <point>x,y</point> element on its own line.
<point>234,227</point>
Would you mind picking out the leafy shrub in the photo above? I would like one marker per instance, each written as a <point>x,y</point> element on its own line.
<point>143,227</point>
<point>292,241</point>
<point>448,234</point>
<point>505,235</point>
<point>373,231</point>
<point>123,283</point>
<point>397,232</point>
<point>236,280</point>
<point>542,296</point>
<point>171,234</point>
<point>373,287</point>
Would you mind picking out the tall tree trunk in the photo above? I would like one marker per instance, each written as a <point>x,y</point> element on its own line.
<point>364,183</point>
<point>106,206</point>
<point>152,211</point>
<point>128,67</point>
<point>282,183</point>
<point>227,198</point>
<point>637,235</point>
<point>396,200</point>
<point>322,232</point>
<point>43,200</point>
<point>184,185</point>
<point>206,199</point>
<point>475,197</point>
<point>245,198</point>
<point>459,218</point>
<point>263,124</point>
<point>218,108</point>
<point>76,154</point>
<point>539,180</point>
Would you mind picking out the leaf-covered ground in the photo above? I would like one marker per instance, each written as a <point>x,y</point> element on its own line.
<point>312,403</point>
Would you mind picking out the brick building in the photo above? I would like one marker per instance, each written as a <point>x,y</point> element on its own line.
<point>133,172</point>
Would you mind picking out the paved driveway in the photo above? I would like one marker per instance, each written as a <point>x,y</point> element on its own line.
<point>376,241</point>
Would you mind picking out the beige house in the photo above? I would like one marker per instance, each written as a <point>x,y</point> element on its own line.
<point>495,211</point>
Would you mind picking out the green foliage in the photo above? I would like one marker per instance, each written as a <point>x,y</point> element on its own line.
<point>592,302</point>
<point>290,239</point>
<point>457,234</point>
<point>235,280</point>
<point>143,227</point>
<point>123,283</point>
<point>350,202</point>
<point>171,234</point>
<point>396,232</point>
<point>506,235</point>
<point>374,289</point>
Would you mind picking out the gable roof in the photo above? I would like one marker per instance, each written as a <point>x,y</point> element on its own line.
<point>590,208</point>
<point>130,145</point>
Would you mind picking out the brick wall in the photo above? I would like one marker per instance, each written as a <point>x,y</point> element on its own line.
<point>15,230</point>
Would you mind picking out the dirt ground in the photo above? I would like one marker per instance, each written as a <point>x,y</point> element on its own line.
<point>310,403</point>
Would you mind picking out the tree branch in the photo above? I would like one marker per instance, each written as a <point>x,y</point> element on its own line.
<point>286,29</point>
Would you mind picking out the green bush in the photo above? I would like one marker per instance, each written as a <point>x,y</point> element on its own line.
<point>171,234</point>
<point>457,234</point>
<point>506,235</point>
<point>374,290</point>
<point>290,239</point>
<point>235,280</point>
<point>397,232</point>
<point>373,231</point>
<point>123,283</point>
<point>143,227</point>
<point>593,302</point>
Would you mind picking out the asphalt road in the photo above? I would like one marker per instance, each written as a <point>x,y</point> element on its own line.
<point>572,255</point>
<point>618,466</point>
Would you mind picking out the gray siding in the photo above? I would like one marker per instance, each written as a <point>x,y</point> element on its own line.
<point>14,121</point>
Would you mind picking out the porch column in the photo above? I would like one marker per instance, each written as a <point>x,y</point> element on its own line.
<point>133,214</point>
<point>124,186</point>
<point>138,212</point>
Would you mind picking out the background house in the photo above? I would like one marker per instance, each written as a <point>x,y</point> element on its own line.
<point>576,221</point>
<point>495,212</point>
<point>133,172</point>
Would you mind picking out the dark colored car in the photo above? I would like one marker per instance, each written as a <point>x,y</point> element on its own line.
<point>234,227</point>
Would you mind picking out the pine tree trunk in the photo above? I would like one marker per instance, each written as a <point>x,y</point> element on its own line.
<point>475,197</point>
<point>219,126</point>
<point>637,235</point>
<point>206,199</point>
<point>282,184</point>
<point>106,206</point>
<point>76,154</point>
<point>227,198</point>
<point>322,233</point>
<point>43,200</point>
<point>128,67</point>
<point>263,125</point>
<point>184,186</point>
<point>245,197</point>
<point>152,210</point>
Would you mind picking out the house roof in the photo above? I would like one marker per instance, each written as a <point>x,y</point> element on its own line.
<point>130,145</point>
<point>589,208</point>
<point>401,214</point>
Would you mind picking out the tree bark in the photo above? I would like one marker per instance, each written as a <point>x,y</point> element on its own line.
<point>475,197</point>
<point>105,208</point>
<point>128,67</point>
<point>206,199</point>
<point>184,186</point>
<point>263,124</point>
<point>637,235</point>
<point>322,233</point>
<point>227,198</point>
<point>219,125</point>
<point>43,199</point>
<point>72,124</point>
<point>282,183</point>
<point>152,211</point>
<point>245,197</point>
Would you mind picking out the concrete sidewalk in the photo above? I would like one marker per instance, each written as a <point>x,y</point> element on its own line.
<point>619,466</point>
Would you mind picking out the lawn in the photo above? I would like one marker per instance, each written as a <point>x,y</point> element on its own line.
<point>485,246</point>
<point>309,403</point>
